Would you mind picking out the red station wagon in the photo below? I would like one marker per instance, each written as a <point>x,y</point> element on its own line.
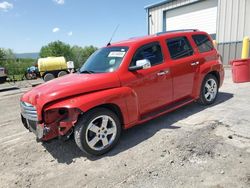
<point>122,85</point>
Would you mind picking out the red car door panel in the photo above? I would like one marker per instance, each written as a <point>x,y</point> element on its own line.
<point>184,65</point>
<point>184,71</point>
<point>153,86</point>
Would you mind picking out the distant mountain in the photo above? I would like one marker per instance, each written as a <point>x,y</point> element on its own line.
<point>28,55</point>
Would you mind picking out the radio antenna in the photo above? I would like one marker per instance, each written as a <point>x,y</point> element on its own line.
<point>109,43</point>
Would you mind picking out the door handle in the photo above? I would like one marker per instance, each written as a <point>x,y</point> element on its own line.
<point>161,73</point>
<point>195,63</point>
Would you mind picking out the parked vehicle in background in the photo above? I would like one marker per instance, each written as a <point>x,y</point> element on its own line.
<point>3,75</point>
<point>52,67</point>
<point>32,73</point>
<point>122,85</point>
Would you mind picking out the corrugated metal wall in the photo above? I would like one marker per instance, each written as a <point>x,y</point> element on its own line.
<point>230,51</point>
<point>233,23</point>
<point>156,14</point>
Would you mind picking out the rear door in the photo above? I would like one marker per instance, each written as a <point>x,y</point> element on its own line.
<point>184,66</point>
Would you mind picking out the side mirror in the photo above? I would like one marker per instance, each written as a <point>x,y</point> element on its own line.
<point>141,64</point>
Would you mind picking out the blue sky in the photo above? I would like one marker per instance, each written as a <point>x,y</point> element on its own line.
<point>26,25</point>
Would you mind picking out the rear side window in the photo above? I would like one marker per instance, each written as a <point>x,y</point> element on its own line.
<point>203,43</point>
<point>179,47</point>
<point>152,52</point>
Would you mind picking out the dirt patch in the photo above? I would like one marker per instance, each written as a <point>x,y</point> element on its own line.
<point>198,145</point>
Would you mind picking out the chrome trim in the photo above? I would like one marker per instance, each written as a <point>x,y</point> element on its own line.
<point>161,73</point>
<point>28,111</point>
<point>195,63</point>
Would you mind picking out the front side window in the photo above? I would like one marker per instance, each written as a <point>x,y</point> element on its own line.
<point>179,47</point>
<point>104,60</point>
<point>152,52</point>
<point>203,43</point>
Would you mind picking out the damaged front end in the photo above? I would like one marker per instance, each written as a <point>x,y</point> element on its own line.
<point>54,123</point>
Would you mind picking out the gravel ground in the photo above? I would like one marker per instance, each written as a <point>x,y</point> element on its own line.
<point>194,146</point>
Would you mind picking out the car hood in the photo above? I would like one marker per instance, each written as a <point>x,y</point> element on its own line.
<point>70,85</point>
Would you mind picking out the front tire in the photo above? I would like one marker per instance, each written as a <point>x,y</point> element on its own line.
<point>209,90</point>
<point>97,131</point>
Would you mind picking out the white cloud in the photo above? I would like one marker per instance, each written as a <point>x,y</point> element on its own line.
<point>5,6</point>
<point>56,29</point>
<point>70,33</point>
<point>59,2</point>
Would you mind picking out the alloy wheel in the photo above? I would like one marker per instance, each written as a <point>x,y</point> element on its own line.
<point>101,132</point>
<point>211,89</point>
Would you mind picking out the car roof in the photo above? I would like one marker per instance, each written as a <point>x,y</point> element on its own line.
<point>150,38</point>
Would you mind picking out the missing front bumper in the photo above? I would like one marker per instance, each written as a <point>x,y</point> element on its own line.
<point>38,129</point>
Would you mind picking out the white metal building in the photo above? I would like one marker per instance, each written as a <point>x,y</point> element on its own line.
<point>227,21</point>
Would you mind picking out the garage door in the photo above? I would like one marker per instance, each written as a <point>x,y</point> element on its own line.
<point>201,15</point>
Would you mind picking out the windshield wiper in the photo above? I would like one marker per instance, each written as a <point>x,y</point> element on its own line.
<point>87,71</point>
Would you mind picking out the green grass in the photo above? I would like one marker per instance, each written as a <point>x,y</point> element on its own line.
<point>19,77</point>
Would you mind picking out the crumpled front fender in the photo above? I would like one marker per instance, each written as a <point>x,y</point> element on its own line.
<point>122,97</point>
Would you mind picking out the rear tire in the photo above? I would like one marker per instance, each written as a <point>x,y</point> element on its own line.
<point>97,131</point>
<point>62,73</point>
<point>209,90</point>
<point>48,76</point>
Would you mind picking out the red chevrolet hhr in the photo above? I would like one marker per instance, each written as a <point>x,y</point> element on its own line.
<point>122,85</point>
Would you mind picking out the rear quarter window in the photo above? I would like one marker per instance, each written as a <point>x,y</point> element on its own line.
<point>179,47</point>
<point>204,44</point>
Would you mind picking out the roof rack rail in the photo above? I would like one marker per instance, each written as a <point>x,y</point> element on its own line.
<point>173,31</point>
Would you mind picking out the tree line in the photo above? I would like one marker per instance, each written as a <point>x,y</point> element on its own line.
<point>13,65</point>
<point>18,66</point>
<point>72,53</point>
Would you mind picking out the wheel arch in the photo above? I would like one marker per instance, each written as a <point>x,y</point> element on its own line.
<point>114,108</point>
<point>214,69</point>
<point>203,73</point>
<point>216,74</point>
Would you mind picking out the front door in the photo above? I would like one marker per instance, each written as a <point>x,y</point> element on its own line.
<point>153,86</point>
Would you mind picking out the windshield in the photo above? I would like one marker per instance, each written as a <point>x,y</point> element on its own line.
<point>104,60</point>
